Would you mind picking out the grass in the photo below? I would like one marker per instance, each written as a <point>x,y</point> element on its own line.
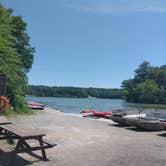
<point>154,106</point>
<point>10,112</point>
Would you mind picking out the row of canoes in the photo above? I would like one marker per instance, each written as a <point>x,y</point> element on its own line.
<point>130,118</point>
<point>140,121</point>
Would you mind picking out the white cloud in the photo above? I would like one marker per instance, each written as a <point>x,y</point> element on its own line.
<point>118,6</point>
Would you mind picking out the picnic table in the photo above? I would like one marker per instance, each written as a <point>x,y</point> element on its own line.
<point>3,120</point>
<point>23,135</point>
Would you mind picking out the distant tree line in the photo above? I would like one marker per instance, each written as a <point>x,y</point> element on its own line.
<point>147,86</point>
<point>74,92</point>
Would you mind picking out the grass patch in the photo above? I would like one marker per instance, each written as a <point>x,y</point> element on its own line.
<point>154,106</point>
<point>9,111</point>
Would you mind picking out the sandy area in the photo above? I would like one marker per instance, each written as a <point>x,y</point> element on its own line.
<point>87,142</point>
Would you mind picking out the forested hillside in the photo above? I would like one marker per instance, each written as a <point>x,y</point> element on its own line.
<point>74,92</point>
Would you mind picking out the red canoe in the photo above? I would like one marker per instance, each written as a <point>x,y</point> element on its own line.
<point>35,105</point>
<point>96,113</point>
<point>87,111</point>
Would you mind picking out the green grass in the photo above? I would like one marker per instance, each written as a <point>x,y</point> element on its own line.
<point>10,112</point>
<point>154,106</point>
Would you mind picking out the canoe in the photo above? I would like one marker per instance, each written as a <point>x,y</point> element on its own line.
<point>119,119</point>
<point>132,121</point>
<point>35,105</point>
<point>87,111</point>
<point>149,124</point>
<point>163,124</point>
<point>126,120</point>
<point>97,113</point>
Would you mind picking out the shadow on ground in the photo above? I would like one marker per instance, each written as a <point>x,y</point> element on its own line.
<point>162,135</point>
<point>11,159</point>
<point>136,129</point>
<point>118,125</point>
<point>132,128</point>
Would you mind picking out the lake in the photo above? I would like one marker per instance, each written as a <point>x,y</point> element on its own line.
<point>75,105</point>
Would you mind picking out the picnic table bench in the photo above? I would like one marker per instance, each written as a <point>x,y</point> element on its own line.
<point>23,135</point>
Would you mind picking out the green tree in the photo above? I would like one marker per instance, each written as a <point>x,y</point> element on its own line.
<point>11,63</point>
<point>147,86</point>
<point>21,43</point>
<point>146,92</point>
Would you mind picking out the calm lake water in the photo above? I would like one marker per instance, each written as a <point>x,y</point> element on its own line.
<point>75,105</point>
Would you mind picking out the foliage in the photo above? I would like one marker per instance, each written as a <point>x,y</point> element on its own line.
<point>148,85</point>
<point>23,48</point>
<point>74,92</point>
<point>16,55</point>
<point>9,111</point>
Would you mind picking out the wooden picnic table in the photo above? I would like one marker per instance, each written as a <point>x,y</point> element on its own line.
<point>4,120</point>
<point>22,134</point>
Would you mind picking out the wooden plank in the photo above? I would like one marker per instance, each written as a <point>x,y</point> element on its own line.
<point>4,120</point>
<point>21,131</point>
<point>47,142</point>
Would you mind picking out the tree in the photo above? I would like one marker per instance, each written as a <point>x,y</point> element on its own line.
<point>146,92</point>
<point>11,63</point>
<point>142,72</point>
<point>147,86</point>
<point>74,92</point>
<point>21,43</point>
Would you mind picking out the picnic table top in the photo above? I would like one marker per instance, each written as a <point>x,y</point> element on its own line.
<point>21,131</point>
<point>4,120</point>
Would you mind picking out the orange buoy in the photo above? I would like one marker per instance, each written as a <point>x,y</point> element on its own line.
<point>4,102</point>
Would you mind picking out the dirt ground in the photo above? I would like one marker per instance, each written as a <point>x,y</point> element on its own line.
<point>89,142</point>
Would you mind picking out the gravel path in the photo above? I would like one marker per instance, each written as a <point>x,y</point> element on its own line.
<point>87,142</point>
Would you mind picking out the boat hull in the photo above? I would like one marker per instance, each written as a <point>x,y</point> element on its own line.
<point>132,121</point>
<point>35,105</point>
<point>151,125</point>
<point>163,124</point>
<point>128,120</point>
<point>119,119</point>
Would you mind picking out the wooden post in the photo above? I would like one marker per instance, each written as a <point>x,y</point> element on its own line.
<point>2,84</point>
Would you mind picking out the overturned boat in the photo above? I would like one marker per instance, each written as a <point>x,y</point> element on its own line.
<point>35,105</point>
<point>123,118</point>
<point>152,124</point>
<point>163,124</point>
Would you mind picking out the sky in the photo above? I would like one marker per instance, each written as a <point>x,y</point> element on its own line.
<point>92,43</point>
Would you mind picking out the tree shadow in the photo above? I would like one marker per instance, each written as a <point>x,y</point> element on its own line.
<point>11,159</point>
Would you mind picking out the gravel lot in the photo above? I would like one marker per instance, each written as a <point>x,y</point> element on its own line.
<point>90,142</point>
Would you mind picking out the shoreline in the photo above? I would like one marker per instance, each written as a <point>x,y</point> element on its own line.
<point>78,115</point>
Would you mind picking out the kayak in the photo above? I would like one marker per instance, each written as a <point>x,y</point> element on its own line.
<point>97,113</point>
<point>87,111</point>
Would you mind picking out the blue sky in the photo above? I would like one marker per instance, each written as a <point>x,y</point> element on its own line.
<point>92,43</point>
